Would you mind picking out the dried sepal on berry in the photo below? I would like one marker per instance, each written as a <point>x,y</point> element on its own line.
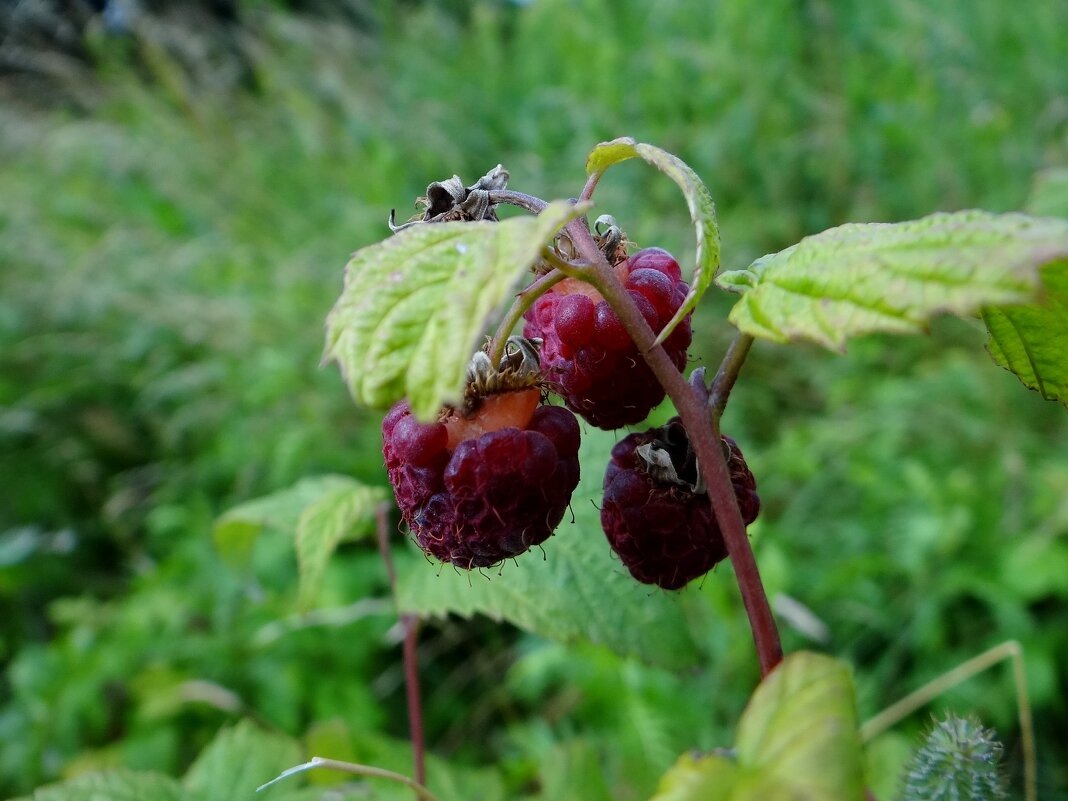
<point>655,512</point>
<point>451,201</point>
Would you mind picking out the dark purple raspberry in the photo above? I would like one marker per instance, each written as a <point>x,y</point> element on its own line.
<point>490,497</point>
<point>656,514</point>
<point>587,355</point>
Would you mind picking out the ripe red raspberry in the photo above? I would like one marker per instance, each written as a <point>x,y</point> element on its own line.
<point>656,513</point>
<point>588,356</point>
<point>486,482</point>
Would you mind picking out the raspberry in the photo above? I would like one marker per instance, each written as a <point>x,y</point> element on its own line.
<point>656,513</point>
<point>488,481</point>
<point>587,355</point>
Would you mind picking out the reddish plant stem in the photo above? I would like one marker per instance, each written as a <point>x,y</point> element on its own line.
<point>591,184</point>
<point>704,437</point>
<point>415,702</point>
<point>701,426</point>
<point>729,369</point>
<point>410,624</point>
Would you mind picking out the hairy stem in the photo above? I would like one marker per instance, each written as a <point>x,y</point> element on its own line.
<point>410,623</point>
<point>729,369</point>
<point>704,437</point>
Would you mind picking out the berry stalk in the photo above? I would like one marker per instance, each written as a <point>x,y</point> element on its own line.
<point>704,436</point>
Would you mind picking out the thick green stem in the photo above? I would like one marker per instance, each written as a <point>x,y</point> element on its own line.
<point>704,437</point>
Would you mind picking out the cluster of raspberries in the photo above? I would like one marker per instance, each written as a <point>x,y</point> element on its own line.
<point>492,478</point>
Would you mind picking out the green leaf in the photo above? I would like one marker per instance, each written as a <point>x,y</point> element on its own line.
<point>797,740</point>
<point>885,758</point>
<point>699,778</point>
<point>345,512</point>
<point>415,305</point>
<point>1032,341</point>
<point>865,277</point>
<point>239,760</point>
<point>698,200</point>
<point>575,589</point>
<point>115,785</point>
<point>236,530</point>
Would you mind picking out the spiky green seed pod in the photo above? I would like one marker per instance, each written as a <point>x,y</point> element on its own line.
<point>958,761</point>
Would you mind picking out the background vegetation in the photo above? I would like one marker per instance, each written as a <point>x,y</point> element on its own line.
<point>176,204</point>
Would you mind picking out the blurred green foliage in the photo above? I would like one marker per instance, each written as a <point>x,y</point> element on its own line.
<point>166,262</point>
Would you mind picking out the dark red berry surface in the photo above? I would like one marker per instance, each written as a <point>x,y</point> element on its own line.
<point>490,498</point>
<point>587,356</point>
<point>665,532</point>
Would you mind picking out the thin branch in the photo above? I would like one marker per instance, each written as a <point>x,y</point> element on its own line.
<point>415,702</point>
<point>523,301</point>
<point>411,641</point>
<point>705,439</point>
<point>729,369</point>
<point>421,792</point>
<point>591,184</point>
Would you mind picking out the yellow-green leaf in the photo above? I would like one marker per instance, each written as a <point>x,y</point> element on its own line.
<point>343,513</point>
<point>237,761</point>
<point>801,728</point>
<point>1032,340</point>
<point>415,305</point>
<point>237,529</point>
<point>709,777</point>
<point>797,740</point>
<point>698,200</point>
<point>866,277</point>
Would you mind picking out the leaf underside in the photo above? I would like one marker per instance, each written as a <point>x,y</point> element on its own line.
<point>573,589</point>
